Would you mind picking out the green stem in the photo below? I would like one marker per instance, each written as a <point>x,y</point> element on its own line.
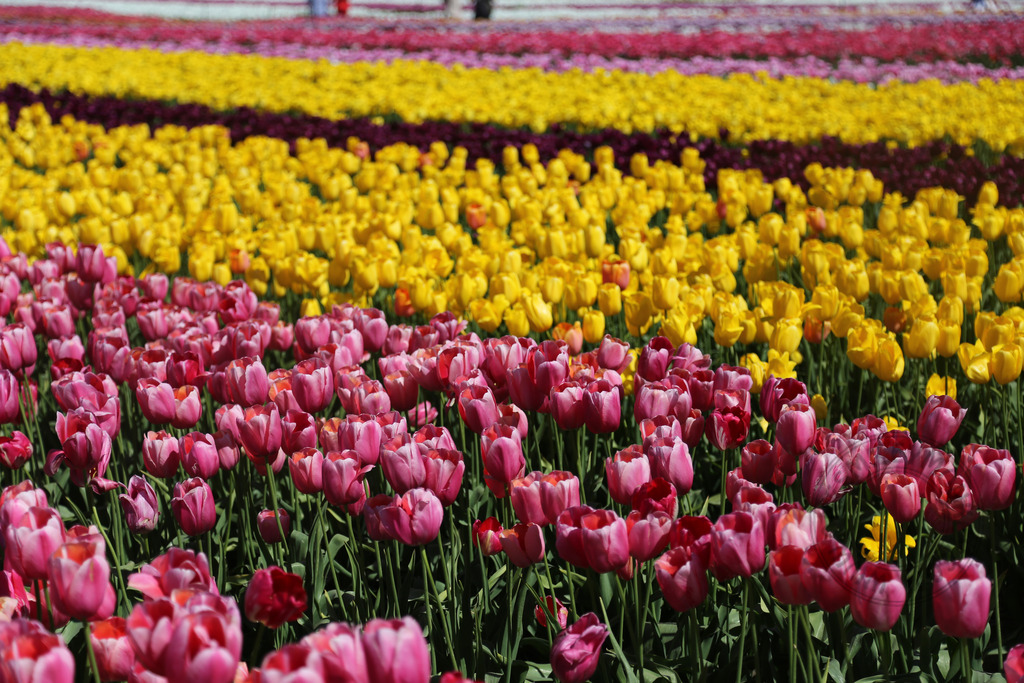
<point>696,652</point>
<point>428,576</point>
<point>277,516</point>
<point>966,670</point>
<point>995,595</point>
<point>743,628</point>
<point>92,653</point>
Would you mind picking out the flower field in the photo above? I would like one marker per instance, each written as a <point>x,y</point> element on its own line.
<point>375,351</point>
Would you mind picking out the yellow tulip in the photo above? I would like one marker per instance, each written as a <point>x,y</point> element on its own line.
<point>609,299</point>
<point>940,385</point>
<point>639,311</point>
<point>538,312</point>
<point>593,326</point>
<point>862,346</point>
<point>516,321</point>
<point>1006,362</point>
<point>975,362</point>
<point>889,363</point>
<point>921,339</point>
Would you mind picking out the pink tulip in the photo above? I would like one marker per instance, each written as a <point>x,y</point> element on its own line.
<point>960,597</point>
<point>487,536</point>
<point>502,451</point>
<point>478,408</point>
<point>992,475</point>
<point>669,396</point>
<point>823,477</point>
<point>343,476</point>
<point>576,650</point>
<point>801,528</point>
<point>313,385</point>
<point>206,642</point>
<point>566,403</point>
<point>737,546</point>
<point>443,469</point>
<point>15,450</point>
<point>901,497</point>
<point>627,471</point>
<point>670,459</point>
<point>827,572</point>
<point>539,498</point>
<point>940,418</point>
<point>757,458</point>
<point>193,506</point>
<point>247,381</point>
<point>602,407</point>
<point>647,533</point>
<point>115,656</point>
<point>877,596</point>
<point>595,539</point>
<point>33,654</point>
<point>613,354</point>
<point>682,574</point>
<point>293,662</point>
<point>1014,665</point>
<point>396,651</point>
<point>777,393</point>
<point>31,540</point>
<point>523,544</point>
<point>341,651</point>
<point>175,569</point>
<point>413,518</point>
<point>951,505</point>
<point>402,464</point>
<point>654,359</point>
<point>140,506</point>
<point>306,468</point>
<point>796,427</point>
<point>259,432</point>
<point>199,457</point>
<point>79,577</point>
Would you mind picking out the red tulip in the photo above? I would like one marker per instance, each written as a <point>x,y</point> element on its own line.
<point>784,565</point>
<point>827,571</point>
<point>951,504</point>
<point>1014,665</point>
<point>737,546</point>
<point>523,544</point>
<point>193,506</point>
<point>577,650</point>
<point>15,450</point>
<point>555,608</point>
<point>727,426</point>
<point>940,418</point>
<point>960,597</point>
<point>396,651</point>
<point>274,597</point>
<point>487,536</point>
<point>758,461</point>
<point>266,524</point>
<point>656,495</point>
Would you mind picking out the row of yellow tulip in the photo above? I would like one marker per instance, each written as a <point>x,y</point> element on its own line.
<point>571,242</point>
<point>799,109</point>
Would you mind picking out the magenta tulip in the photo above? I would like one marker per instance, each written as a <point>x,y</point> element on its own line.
<point>539,498</point>
<point>523,544</point>
<point>396,651</point>
<point>627,471</point>
<point>992,475</point>
<point>140,505</point>
<point>901,497</point>
<point>737,546</point>
<point>193,506</point>
<point>576,650</point>
<point>796,427</point>
<point>877,596</point>
<point>79,577</point>
<point>940,419</point>
<point>960,597</point>
<point>413,518</point>
<point>682,574</point>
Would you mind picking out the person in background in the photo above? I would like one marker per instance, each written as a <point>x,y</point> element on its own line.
<point>342,7</point>
<point>318,8</point>
<point>482,9</point>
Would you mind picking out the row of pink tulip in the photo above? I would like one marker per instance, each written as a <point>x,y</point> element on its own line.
<point>949,39</point>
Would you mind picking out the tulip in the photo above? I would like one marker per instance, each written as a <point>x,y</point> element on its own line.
<point>193,506</point>
<point>502,451</point>
<point>267,525</point>
<point>566,403</point>
<point>199,457</point>
<point>737,546</point>
<point>31,540</point>
<point>79,577</point>
<point>360,433</point>
<point>523,544</point>
<point>540,498</point>
<point>247,382</point>
<point>647,533</point>
<point>1014,665</point>
<point>683,577</point>
<point>940,418</point>
<point>758,462</point>
<point>827,570</point>
<point>554,607</point>
<point>487,536</point>
<point>602,406</point>
<point>795,526</point>
<point>15,450</point>
<point>627,471</point>
<point>596,539</point>
<point>877,596</point>
<point>140,505</point>
<point>175,569</point>
<point>670,460</point>
<point>274,597</point>
<point>306,468</point>
<point>413,518</point>
<point>960,597</point>
<point>992,475</point>
<point>478,408</point>
<point>340,648</point>
<point>293,662</point>
<point>901,497</point>
<point>784,565</point>
<point>115,657</point>
<point>951,505</point>
<point>396,651</point>
<point>33,654</point>
<point>259,432</point>
<point>823,477</point>
<point>576,650</point>
<point>657,495</point>
<point>206,641</point>
<point>343,478</point>
<point>796,427</point>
